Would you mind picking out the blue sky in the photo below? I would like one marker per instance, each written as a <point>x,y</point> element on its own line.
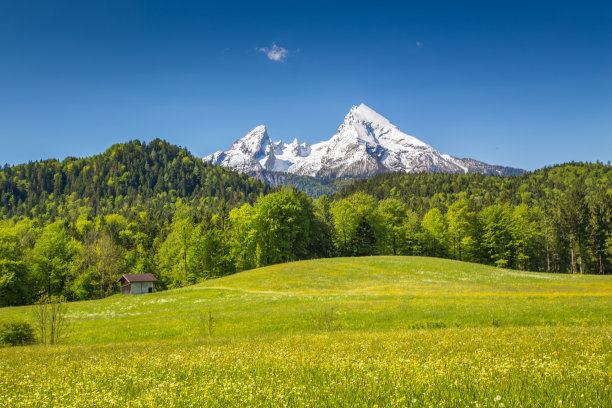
<point>525,84</point>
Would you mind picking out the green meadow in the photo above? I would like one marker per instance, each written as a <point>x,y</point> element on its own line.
<point>372,331</point>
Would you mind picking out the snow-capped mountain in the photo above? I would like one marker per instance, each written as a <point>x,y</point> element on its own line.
<point>365,144</point>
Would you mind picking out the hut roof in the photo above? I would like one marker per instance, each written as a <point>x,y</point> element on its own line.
<point>138,277</point>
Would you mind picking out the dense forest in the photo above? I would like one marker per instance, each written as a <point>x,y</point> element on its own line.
<point>72,228</point>
<point>312,186</point>
<point>126,179</point>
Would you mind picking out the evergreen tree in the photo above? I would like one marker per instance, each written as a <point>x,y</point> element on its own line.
<point>600,227</point>
<point>574,213</point>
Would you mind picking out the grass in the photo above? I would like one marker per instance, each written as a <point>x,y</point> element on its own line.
<point>406,331</point>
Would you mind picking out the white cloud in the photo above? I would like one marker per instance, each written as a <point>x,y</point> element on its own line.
<point>275,53</point>
<point>418,44</point>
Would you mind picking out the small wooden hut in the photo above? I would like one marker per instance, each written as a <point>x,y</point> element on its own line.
<point>137,283</point>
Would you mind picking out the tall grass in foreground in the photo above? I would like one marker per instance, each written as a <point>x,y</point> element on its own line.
<point>342,332</point>
<point>473,367</point>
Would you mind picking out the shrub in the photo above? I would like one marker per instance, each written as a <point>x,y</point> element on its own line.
<point>325,320</point>
<point>17,333</point>
<point>50,316</point>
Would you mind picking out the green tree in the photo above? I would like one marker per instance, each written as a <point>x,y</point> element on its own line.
<point>183,230</point>
<point>495,237</point>
<point>460,222</point>
<point>241,237</point>
<point>600,227</point>
<point>525,235</point>
<point>434,233</point>
<point>211,252</point>
<point>14,280</point>
<point>283,227</point>
<point>101,264</point>
<point>54,257</point>
<point>324,235</point>
<point>412,238</point>
<point>574,220</point>
<point>393,215</point>
<point>169,263</point>
<point>363,240</point>
<point>351,213</point>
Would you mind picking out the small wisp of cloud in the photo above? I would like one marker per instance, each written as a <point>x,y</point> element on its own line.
<point>274,53</point>
<point>419,44</point>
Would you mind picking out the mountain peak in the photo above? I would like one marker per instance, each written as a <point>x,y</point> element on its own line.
<point>254,141</point>
<point>364,113</point>
<point>366,143</point>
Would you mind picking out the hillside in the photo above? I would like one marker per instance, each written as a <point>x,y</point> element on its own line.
<point>359,332</point>
<point>537,188</point>
<point>314,187</point>
<point>128,177</point>
<point>73,228</point>
<point>373,293</point>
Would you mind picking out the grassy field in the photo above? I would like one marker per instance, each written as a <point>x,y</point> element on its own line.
<point>386,331</point>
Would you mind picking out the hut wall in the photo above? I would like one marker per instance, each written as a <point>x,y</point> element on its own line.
<point>125,288</point>
<point>139,288</point>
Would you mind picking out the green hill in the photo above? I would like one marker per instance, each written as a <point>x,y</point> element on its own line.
<point>369,293</point>
<point>126,178</point>
<point>59,220</point>
<point>537,188</point>
<point>363,332</point>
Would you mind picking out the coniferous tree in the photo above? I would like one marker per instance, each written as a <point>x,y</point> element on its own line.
<point>600,227</point>
<point>574,218</point>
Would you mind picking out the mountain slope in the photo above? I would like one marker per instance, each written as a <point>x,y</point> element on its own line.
<point>365,144</point>
<point>537,189</point>
<point>126,174</point>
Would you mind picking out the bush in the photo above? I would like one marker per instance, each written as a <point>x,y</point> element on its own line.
<point>17,333</point>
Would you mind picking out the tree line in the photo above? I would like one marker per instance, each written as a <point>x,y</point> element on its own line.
<point>83,259</point>
<point>78,249</point>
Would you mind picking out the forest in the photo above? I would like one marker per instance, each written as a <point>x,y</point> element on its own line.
<point>71,228</point>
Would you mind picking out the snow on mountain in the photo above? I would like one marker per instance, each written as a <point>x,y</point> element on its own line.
<point>365,144</point>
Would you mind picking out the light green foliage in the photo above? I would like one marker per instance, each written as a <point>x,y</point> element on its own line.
<point>394,216</point>
<point>525,233</point>
<point>54,258</point>
<point>358,227</point>
<point>282,227</point>
<point>14,281</point>
<point>169,259</point>
<point>100,265</point>
<point>435,237</point>
<point>211,251</point>
<point>495,235</point>
<point>242,237</point>
<point>186,222</point>
<point>183,232</point>
<point>459,220</point>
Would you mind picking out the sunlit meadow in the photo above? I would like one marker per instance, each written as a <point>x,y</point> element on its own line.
<point>376,331</point>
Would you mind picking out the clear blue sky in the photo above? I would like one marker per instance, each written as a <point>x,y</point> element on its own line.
<point>525,84</point>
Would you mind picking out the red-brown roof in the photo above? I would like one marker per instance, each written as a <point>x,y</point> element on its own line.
<point>139,277</point>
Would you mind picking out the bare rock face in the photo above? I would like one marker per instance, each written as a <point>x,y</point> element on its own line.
<point>365,144</point>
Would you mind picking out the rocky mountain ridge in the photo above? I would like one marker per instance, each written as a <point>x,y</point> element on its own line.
<point>365,144</point>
